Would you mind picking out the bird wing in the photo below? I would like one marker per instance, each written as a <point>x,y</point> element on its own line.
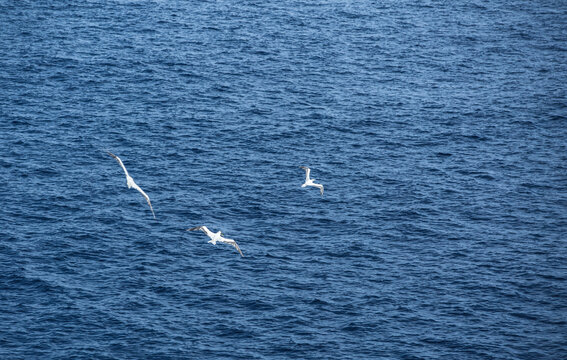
<point>237,248</point>
<point>233,243</point>
<point>307,172</point>
<point>119,161</point>
<point>319,186</point>
<point>135,186</point>
<point>203,229</point>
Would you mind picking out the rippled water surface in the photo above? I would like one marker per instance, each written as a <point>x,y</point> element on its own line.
<point>439,130</point>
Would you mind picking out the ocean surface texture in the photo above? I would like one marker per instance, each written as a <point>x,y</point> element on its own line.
<point>438,128</point>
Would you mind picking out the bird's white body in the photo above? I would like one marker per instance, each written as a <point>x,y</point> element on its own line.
<point>131,184</point>
<point>309,181</point>
<point>217,237</point>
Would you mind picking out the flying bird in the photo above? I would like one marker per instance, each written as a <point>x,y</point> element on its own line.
<point>216,237</point>
<point>131,184</point>
<point>308,181</point>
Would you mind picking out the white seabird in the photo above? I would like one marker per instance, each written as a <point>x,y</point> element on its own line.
<point>131,184</point>
<point>216,237</point>
<point>308,181</point>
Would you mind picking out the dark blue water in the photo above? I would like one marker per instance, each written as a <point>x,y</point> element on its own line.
<point>439,129</point>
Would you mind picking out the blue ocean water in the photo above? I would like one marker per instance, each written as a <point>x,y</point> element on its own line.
<point>438,128</point>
